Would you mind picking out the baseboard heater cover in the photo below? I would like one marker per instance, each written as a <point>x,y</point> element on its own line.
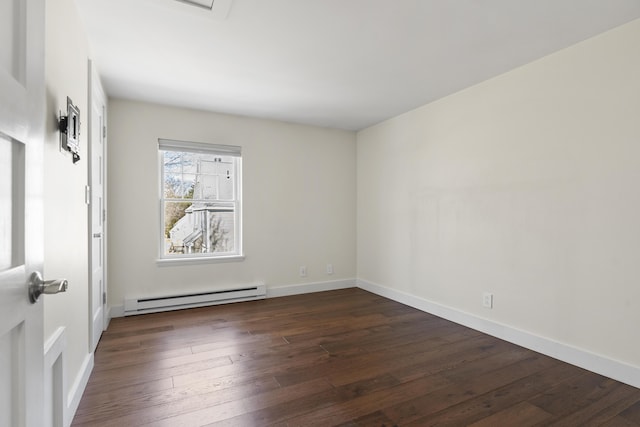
<point>200,299</point>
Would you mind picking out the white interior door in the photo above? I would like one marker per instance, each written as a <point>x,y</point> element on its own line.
<point>97,146</point>
<point>21,219</point>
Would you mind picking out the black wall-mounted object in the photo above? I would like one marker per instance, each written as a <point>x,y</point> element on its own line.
<point>69,127</point>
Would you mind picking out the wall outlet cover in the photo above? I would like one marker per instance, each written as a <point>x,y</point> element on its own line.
<point>487,300</point>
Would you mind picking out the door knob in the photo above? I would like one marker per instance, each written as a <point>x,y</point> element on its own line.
<point>39,286</point>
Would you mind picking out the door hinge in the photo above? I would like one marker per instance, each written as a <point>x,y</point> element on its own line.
<point>104,215</point>
<point>104,131</point>
<point>104,298</point>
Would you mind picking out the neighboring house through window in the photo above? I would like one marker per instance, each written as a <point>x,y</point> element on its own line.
<point>200,200</point>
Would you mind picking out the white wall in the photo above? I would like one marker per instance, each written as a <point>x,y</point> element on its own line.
<point>525,186</point>
<point>298,196</point>
<point>66,250</point>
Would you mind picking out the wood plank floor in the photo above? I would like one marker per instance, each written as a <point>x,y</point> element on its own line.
<point>347,358</point>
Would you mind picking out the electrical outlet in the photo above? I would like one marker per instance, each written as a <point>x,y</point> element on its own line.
<point>487,300</point>
<point>303,271</point>
<point>329,268</point>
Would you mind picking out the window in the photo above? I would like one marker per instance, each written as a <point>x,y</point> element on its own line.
<point>200,200</point>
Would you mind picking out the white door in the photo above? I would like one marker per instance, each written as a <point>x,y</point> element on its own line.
<point>21,219</point>
<point>97,145</point>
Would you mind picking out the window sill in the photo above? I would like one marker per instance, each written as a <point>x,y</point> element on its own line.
<point>167,262</point>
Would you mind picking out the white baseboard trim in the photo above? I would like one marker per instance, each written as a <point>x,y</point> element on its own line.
<point>307,288</point>
<point>108,317</point>
<point>602,365</point>
<point>116,311</point>
<point>77,389</point>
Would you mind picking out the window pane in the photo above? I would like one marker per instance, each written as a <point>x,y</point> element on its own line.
<point>222,232</point>
<point>224,170</point>
<point>172,185</point>
<point>188,186</point>
<point>172,162</point>
<point>177,186</point>
<point>226,181</point>
<point>208,187</point>
<point>176,226</point>
<point>190,162</point>
<point>208,164</point>
<point>198,228</point>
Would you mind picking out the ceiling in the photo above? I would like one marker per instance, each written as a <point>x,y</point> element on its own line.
<point>344,64</point>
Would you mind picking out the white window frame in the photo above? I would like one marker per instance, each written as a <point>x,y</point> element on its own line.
<point>205,148</point>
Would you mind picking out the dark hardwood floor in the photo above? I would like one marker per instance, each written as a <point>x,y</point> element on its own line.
<point>347,358</point>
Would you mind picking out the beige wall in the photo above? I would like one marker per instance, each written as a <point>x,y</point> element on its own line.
<point>298,196</point>
<point>525,186</point>
<point>65,240</point>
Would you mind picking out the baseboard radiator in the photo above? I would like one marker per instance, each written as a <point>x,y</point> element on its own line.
<point>201,299</point>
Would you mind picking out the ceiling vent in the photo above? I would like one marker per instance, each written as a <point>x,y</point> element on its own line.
<point>219,8</point>
<point>204,4</point>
